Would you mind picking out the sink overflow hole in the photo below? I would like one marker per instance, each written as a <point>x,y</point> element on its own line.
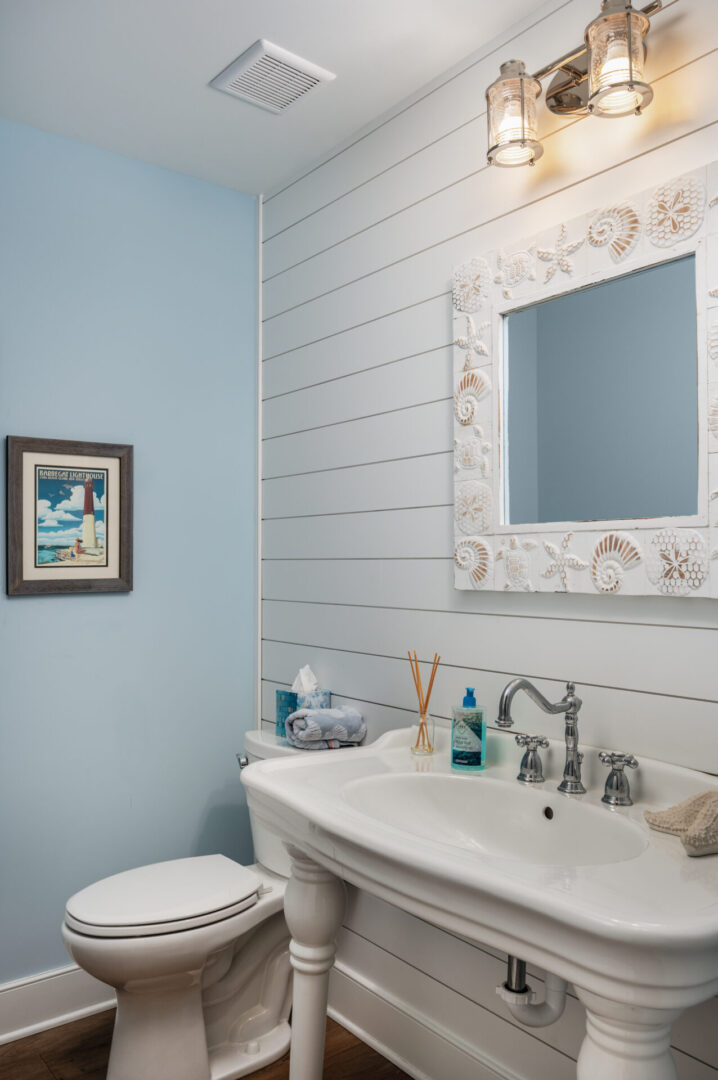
<point>547,812</point>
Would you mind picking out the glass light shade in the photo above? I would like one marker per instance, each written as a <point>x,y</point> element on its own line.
<point>616,59</point>
<point>511,109</point>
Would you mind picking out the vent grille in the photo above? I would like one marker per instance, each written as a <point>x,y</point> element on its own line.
<point>269,76</point>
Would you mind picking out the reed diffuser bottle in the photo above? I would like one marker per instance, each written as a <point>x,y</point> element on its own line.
<point>425,732</point>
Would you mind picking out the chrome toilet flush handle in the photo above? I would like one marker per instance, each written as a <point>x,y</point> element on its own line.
<point>618,790</point>
<point>531,768</point>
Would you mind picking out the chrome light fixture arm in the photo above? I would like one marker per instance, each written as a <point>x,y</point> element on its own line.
<point>593,78</point>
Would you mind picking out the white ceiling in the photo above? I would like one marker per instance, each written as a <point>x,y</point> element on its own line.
<point>132,75</point>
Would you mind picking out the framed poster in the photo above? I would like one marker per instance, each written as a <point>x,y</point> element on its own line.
<point>69,517</point>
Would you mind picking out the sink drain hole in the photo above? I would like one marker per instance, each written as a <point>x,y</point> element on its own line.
<point>548,812</point>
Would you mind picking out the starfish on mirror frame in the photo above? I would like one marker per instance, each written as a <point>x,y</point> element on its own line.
<point>558,258</point>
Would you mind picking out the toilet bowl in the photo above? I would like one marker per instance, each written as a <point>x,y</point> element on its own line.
<point>197,950</point>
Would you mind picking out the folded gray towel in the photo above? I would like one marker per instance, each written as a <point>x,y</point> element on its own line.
<point>325,729</point>
<point>695,821</point>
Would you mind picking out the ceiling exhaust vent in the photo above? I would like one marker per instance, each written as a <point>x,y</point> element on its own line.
<point>269,76</point>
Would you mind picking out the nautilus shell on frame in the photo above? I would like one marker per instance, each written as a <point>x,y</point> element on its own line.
<point>472,387</point>
<point>614,553</point>
<point>475,556</point>
<point>619,227</point>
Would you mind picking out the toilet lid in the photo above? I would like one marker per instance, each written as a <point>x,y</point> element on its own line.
<point>163,898</point>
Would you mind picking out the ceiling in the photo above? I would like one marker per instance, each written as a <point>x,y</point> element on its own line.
<point>131,75</point>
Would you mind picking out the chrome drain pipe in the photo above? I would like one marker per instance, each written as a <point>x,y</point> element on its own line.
<point>521,999</point>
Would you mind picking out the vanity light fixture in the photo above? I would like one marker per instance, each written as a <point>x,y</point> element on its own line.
<point>513,136</point>
<point>616,53</point>
<point>601,77</point>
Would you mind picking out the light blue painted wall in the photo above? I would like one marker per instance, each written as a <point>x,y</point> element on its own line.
<point>127,314</point>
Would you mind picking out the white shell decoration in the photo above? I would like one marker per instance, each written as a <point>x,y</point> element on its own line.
<point>515,268</point>
<point>472,387</point>
<point>472,342</point>
<point>713,342</point>
<point>619,227</point>
<point>471,285</point>
<point>474,556</point>
<point>713,417</point>
<point>614,554</point>
<point>472,453</point>
<point>562,560</point>
<point>676,561</point>
<point>473,507</point>
<point>517,564</point>
<point>558,256</point>
<point>675,211</point>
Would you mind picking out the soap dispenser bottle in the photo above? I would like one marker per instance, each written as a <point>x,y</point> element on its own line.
<point>468,735</point>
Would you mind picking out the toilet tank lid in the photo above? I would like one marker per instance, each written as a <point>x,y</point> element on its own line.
<point>165,892</point>
<point>265,744</point>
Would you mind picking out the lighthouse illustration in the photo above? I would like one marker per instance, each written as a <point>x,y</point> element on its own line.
<point>89,536</point>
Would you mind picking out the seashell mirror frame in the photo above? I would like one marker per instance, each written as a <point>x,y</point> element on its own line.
<point>639,557</point>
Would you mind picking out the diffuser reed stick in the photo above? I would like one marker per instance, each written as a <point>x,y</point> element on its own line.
<point>423,744</point>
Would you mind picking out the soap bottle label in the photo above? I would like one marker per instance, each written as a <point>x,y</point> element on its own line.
<point>467,739</point>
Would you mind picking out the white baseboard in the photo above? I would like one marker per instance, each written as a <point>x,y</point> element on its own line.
<point>48,1000</point>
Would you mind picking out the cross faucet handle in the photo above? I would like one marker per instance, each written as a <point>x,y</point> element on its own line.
<point>617,760</point>
<point>531,770</point>
<point>531,742</point>
<point>617,791</point>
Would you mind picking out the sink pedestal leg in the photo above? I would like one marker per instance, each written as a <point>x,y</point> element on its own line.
<point>314,908</point>
<point>625,1042</point>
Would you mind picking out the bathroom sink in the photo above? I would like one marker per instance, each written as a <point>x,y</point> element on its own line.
<point>492,817</point>
<point>586,892</point>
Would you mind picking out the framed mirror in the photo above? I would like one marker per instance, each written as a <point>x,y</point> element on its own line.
<point>586,402</point>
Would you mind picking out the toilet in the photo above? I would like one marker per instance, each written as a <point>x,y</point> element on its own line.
<point>197,950</point>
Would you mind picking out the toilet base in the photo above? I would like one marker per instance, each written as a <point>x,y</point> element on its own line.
<point>208,1003</point>
<point>231,1060</point>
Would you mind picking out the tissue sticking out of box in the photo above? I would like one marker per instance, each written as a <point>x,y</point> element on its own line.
<point>306,681</point>
<point>309,694</point>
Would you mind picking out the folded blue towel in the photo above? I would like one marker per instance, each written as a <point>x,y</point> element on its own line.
<point>325,729</point>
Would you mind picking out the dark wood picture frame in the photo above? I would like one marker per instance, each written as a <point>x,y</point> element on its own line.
<point>17,584</point>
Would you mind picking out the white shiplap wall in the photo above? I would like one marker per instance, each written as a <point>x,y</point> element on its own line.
<point>357,492</point>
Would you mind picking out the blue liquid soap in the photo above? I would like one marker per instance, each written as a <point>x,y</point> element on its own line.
<point>468,735</point>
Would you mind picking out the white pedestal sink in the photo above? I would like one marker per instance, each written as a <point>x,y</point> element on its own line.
<point>588,893</point>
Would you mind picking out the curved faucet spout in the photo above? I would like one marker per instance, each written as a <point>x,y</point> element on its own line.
<point>505,720</point>
<point>569,704</point>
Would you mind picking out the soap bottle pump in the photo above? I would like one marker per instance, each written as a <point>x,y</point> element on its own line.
<point>468,735</point>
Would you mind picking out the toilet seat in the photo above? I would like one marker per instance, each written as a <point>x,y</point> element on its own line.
<point>164,898</point>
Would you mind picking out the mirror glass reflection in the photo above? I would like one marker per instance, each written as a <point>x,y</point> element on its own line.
<point>601,401</point>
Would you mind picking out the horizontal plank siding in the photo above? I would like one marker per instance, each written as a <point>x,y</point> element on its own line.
<point>358,481</point>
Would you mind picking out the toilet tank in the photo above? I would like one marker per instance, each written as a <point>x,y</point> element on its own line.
<point>269,851</point>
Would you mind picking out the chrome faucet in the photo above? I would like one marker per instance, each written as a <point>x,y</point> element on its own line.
<point>570,705</point>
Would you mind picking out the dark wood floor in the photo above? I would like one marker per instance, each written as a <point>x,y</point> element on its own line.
<point>79,1051</point>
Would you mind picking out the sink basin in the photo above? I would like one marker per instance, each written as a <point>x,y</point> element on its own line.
<point>491,817</point>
